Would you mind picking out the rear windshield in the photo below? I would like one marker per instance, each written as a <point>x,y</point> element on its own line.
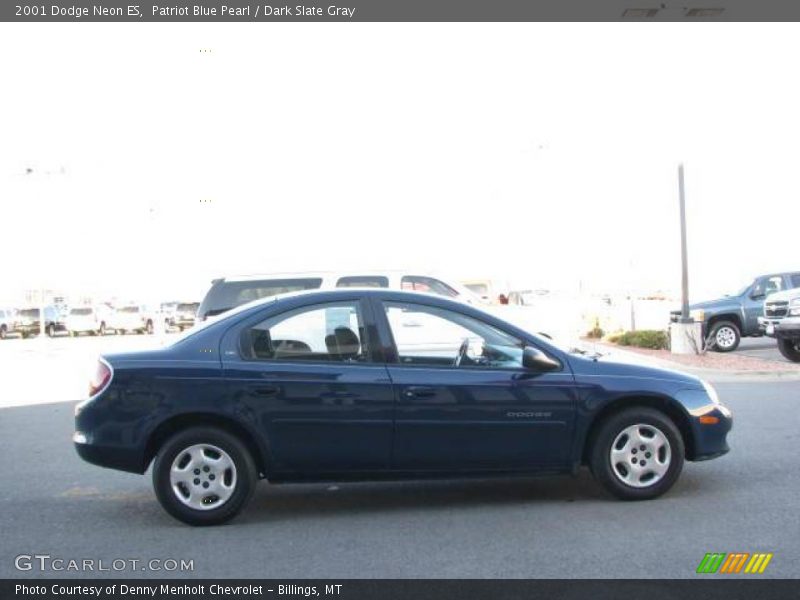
<point>225,295</point>
<point>29,312</point>
<point>363,281</point>
<point>188,306</point>
<point>129,309</point>
<point>81,311</point>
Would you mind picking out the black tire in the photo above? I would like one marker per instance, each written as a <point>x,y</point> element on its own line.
<point>608,432</point>
<point>3,332</point>
<point>246,475</point>
<point>727,331</point>
<point>51,330</point>
<point>790,349</point>
<point>102,330</point>
<point>120,331</point>
<point>148,328</point>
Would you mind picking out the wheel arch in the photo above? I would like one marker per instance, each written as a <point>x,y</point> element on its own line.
<point>180,422</point>
<point>666,405</point>
<point>732,317</point>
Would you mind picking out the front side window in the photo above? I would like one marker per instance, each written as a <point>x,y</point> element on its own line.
<point>428,285</point>
<point>426,335</point>
<point>330,333</point>
<point>372,281</point>
<point>768,285</point>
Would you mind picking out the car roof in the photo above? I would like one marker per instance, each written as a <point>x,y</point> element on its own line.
<point>323,274</point>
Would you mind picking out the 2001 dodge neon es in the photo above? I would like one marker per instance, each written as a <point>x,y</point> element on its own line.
<point>368,384</point>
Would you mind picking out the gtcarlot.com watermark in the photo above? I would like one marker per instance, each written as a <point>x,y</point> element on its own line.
<point>47,563</point>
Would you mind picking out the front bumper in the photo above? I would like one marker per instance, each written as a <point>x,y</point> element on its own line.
<point>711,439</point>
<point>786,327</point>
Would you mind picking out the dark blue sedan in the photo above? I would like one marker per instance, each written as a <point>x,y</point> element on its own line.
<point>367,384</point>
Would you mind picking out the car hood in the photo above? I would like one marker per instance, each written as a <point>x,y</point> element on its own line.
<point>784,296</point>
<point>618,365</point>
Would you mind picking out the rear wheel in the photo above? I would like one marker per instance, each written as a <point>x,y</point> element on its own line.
<point>102,330</point>
<point>725,336</point>
<point>637,454</point>
<point>149,327</point>
<point>204,476</point>
<point>790,349</point>
<point>3,332</point>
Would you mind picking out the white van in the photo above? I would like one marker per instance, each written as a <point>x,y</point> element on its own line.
<point>229,292</point>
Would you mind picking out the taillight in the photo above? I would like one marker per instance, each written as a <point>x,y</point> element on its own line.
<point>101,378</point>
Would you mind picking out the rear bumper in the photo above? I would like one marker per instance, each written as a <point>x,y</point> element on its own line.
<point>110,457</point>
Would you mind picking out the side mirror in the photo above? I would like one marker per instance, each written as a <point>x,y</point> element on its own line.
<point>536,360</point>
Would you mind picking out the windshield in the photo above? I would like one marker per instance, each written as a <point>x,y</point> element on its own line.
<point>742,290</point>
<point>81,311</point>
<point>129,309</point>
<point>29,312</point>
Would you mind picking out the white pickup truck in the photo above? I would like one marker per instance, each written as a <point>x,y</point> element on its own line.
<point>781,320</point>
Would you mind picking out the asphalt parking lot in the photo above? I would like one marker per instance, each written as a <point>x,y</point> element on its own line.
<point>763,348</point>
<point>55,504</point>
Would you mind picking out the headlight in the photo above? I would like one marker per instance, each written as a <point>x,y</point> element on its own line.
<point>712,393</point>
<point>698,315</point>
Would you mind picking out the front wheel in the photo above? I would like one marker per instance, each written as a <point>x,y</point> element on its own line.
<point>51,330</point>
<point>637,454</point>
<point>3,332</point>
<point>204,476</point>
<point>149,328</point>
<point>725,336</point>
<point>102,330</point>
<point>790,349</point>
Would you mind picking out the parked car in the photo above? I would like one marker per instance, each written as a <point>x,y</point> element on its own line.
<point>228,292</point>
<point>8,322</point>
<point>185,315</point>
<point>374,384</point>
<point>168,314</point>
<point>781,320</point>
<point>30,322</point>
<point>93,320</point>
<point>138,318</point>
<point>728,319</point>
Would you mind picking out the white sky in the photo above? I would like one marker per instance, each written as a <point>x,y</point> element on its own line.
<point>544,154</point>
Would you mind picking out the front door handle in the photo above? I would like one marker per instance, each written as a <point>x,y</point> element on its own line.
<point>265,390</point>
<point>419,391</point>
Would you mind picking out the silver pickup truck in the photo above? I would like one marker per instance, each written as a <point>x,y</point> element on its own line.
<point>781,320</point>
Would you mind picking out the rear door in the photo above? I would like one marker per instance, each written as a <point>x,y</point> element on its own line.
<point>464,401</point>
<point>310,379</point>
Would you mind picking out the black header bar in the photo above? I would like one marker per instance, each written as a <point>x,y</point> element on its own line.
<point>695,11</point>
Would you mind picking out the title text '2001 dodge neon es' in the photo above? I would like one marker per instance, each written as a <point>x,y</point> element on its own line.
<point>368,384</point>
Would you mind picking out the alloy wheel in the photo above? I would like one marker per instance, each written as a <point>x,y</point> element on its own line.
<point>725,337</point>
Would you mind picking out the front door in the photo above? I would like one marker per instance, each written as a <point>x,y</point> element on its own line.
<point>464,399</point>
<point>308,378</point>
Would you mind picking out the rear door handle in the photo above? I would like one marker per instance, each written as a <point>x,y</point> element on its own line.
<point>419,391</point>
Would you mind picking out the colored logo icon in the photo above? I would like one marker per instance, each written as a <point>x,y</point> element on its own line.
<point>735,562</point>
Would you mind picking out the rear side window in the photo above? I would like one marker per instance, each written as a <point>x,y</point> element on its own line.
<point>363,281</point>
<point>225,295</point>
<point>428,285</point>
<point>324,332</point>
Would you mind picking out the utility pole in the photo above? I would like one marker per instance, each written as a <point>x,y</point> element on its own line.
<point>684,254</point>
